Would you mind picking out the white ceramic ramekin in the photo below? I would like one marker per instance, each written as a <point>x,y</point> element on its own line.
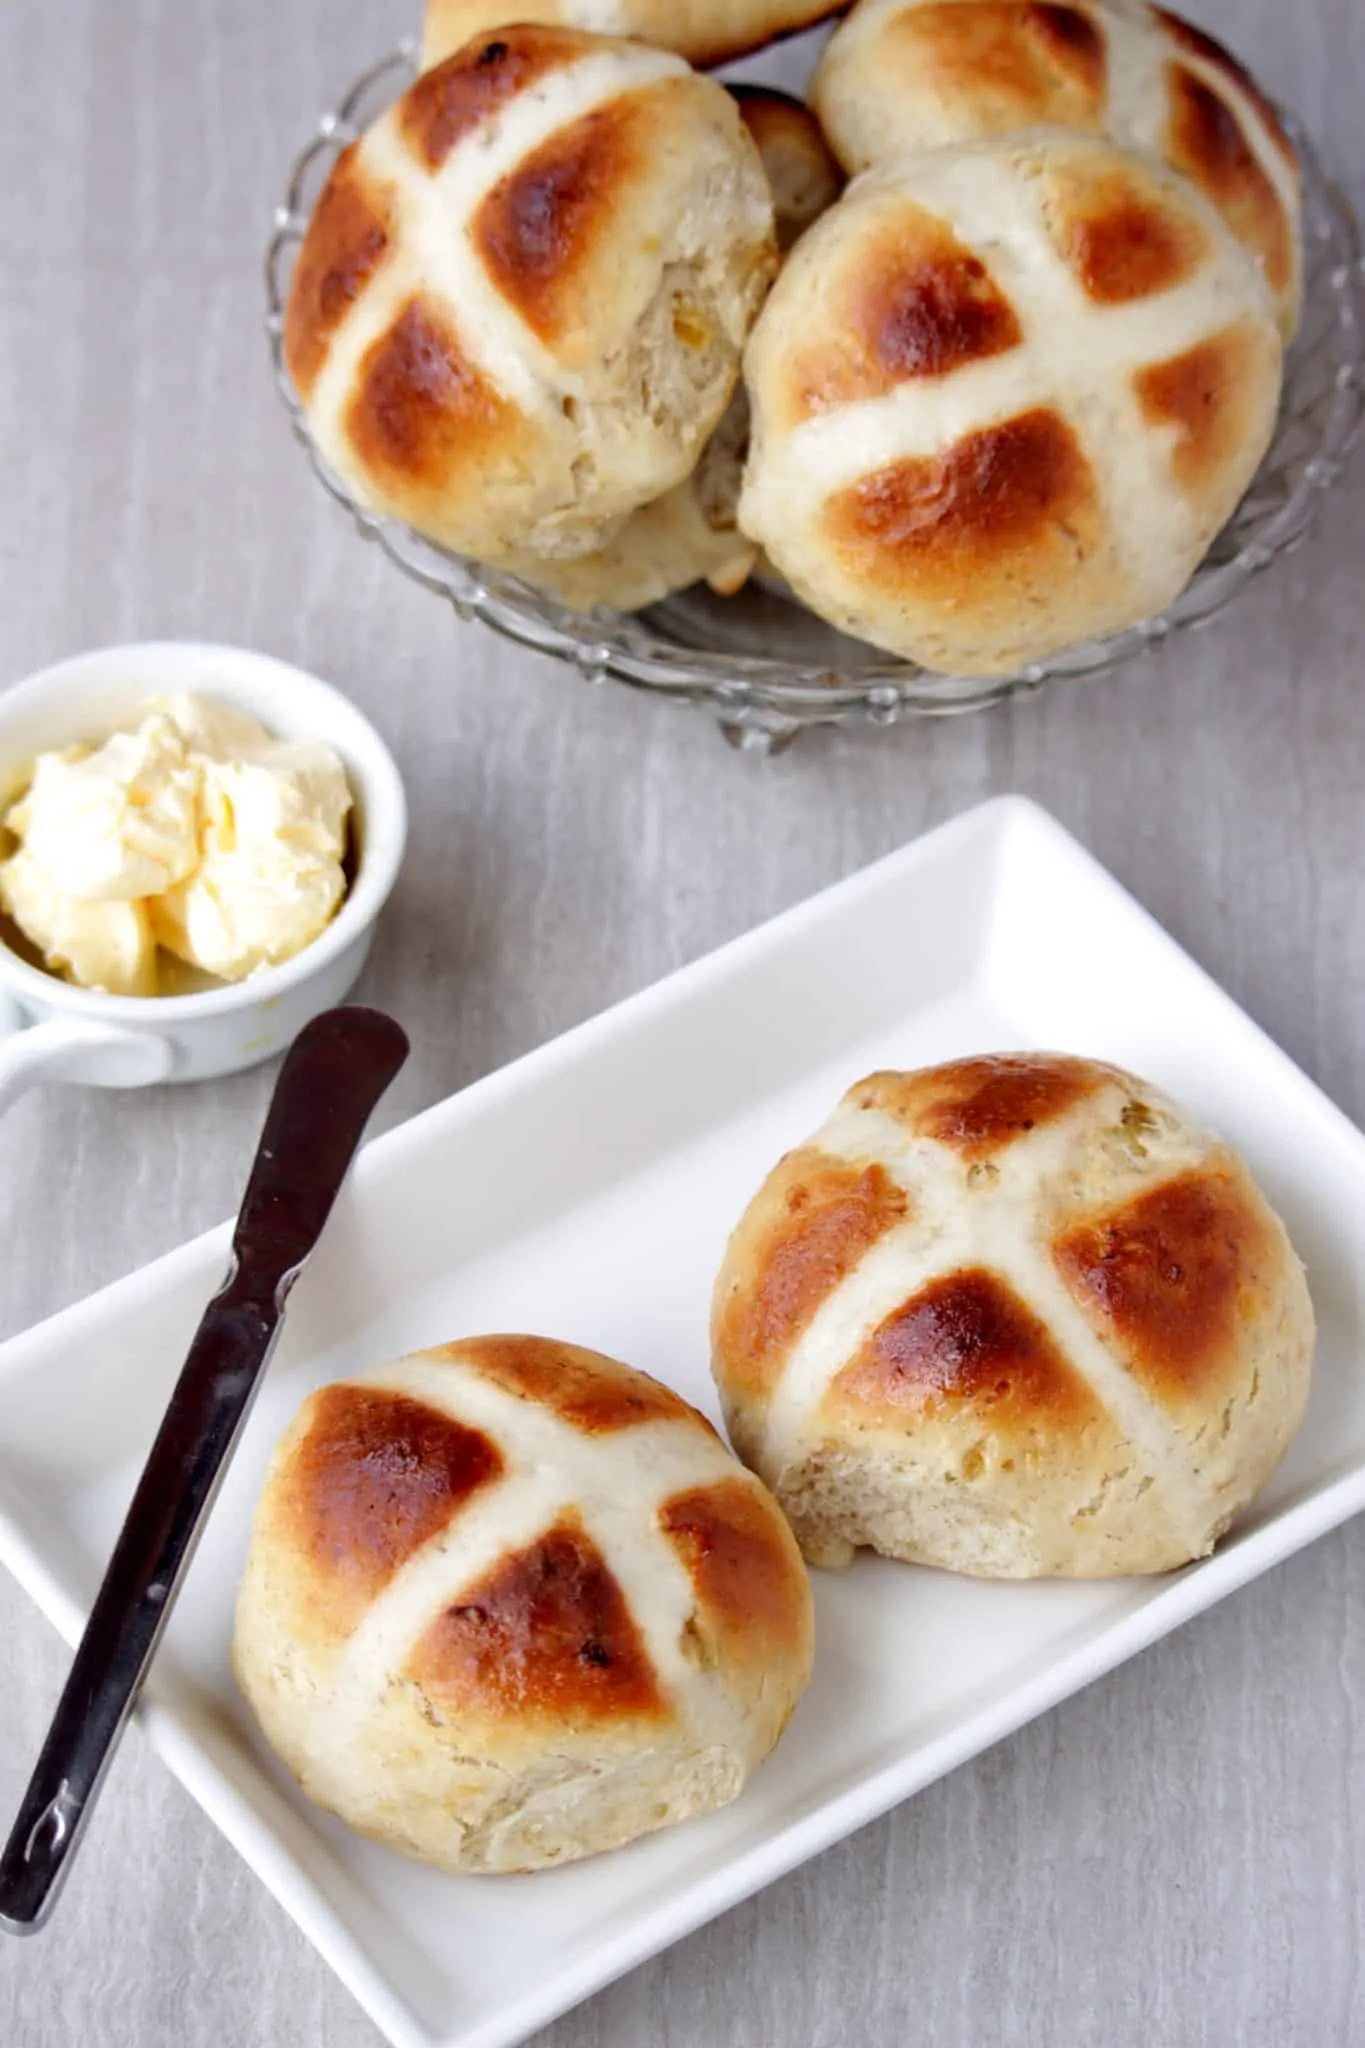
<point>50,1030</point>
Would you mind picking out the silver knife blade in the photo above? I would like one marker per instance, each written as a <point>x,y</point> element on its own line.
<point>333,1076</point>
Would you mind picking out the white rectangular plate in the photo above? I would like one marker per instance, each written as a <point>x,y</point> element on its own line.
<point>587,1192</point>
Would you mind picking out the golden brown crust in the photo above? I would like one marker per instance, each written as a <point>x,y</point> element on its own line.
<point>1205,141</point>
<point>545,1637</point>
<point>1202,394</point>
<point>1172,1276</point>
<point>734,31</point>
<point>1017,62</point>
<point>445,103</point>
<point>593,1393</point>
<point>712,33</point>
<point>345,244</point>
<point>919,76</point>
<point>1005,505</point>
<point>371,1479</point>
<point>539,230</point>
<point>1081,1360</point>
<point>935,317</point>
<point>964,1341</point>
<point>421,411</point>
<point>751,1587</point>
<point>449,410</point>
<point>1073,39</point>
<point>979,1106</point>
<point>1121,237</point>
<point>1199,43</point>
<point>808,1227</point>
<point>917,303</point>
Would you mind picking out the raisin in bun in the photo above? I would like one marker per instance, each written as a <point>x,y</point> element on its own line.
<point>907,74</point>
<point>1013,1316</point>
<point>519,308</point>
<point>509,1603</point>
<point>704,31</point>
<point>1004,395</point>
<point>691,534</point>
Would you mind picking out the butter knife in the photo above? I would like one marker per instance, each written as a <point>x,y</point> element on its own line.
<point>333,1076</point>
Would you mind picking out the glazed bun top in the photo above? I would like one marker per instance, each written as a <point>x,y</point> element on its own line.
<point>1004,395</point>
<point>1017,1314</point>
<point>704,31</point>
<point>906,74</point>
<point>518,311</point>
<point>510,1602</point>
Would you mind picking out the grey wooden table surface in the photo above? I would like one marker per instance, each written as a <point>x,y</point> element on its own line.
<point>1176,1859</point>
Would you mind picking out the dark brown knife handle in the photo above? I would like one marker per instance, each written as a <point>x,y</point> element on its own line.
<point>333,1075</point>
<point>332,1078</point>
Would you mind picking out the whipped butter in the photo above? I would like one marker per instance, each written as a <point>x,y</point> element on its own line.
<point>195,834</point>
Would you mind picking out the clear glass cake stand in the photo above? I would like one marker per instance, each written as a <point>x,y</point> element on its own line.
<point>762,664</point>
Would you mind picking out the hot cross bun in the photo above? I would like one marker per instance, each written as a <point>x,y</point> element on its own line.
<point>519,308</point>
<point>509,1603</point>
<point>908,74</point>
<point>1012,1316</point>
<point>1004,396</point>
<point>703,31</point>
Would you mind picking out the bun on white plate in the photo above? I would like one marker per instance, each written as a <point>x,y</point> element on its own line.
<point>1013,1316</point>
<point>509,1603</point>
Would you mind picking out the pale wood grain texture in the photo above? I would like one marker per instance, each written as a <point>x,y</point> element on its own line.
<point>1177,1858</point>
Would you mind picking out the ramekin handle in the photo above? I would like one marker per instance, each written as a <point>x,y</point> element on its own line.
<point>101,1054</point>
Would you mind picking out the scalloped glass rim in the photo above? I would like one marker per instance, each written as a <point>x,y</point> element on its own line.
<point>764,698</point>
